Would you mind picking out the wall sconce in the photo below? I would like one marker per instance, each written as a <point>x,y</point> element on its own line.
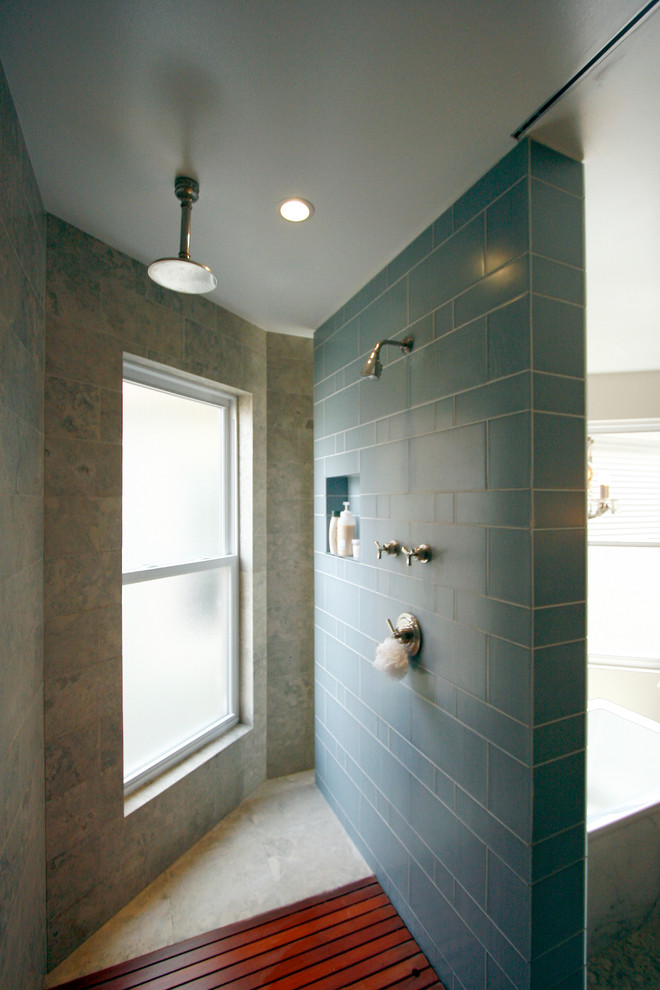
<point>597,506</point>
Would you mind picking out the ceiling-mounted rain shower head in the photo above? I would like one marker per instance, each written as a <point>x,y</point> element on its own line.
<point>373,367</point>
<point>182,274</point>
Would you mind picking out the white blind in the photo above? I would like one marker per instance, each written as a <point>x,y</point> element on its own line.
<point>630,464</point>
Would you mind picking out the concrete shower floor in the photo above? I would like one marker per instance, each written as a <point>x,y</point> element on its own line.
<point>283,844</point>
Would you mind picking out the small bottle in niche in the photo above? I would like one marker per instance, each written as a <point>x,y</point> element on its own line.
<point>332,531</point>
<point>345,532</point>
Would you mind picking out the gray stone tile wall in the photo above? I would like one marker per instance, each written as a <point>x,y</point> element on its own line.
<point>101,304</point>
<point>290,555</point>
<point>463,785</point>
<point>22,290</point>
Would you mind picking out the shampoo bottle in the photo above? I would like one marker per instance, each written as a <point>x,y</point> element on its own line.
<point>332,531</point>
<point>345,532</point>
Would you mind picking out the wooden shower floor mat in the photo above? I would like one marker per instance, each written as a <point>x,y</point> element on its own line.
<point>350,937</point>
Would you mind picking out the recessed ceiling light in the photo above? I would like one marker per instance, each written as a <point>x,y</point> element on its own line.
<point>296,210</point>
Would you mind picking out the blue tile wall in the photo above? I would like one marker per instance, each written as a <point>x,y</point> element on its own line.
<point>463,784</point>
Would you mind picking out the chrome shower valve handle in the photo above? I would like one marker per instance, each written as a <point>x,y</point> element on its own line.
<point>422,553</point>
<point>391,548</point>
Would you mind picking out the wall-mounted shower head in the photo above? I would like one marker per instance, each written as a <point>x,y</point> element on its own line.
<point>373,367</point>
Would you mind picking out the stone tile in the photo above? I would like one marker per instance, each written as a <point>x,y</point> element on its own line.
<point>111,416</point>
<point>72,409</point>
<point>90,356</point>
<point>81,581</point>
<point>81,467</point>
<point>138,322</point>
<point>71,642</point>
<point>72,758</point>
<point>71,525</point>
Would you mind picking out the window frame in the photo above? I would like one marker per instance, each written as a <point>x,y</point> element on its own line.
<point>176,382</point>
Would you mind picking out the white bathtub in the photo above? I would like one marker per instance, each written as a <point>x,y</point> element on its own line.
<point>623,763</point>
<point>623,821</point>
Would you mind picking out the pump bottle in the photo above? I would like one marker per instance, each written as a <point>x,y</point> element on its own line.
<point>345,532</point>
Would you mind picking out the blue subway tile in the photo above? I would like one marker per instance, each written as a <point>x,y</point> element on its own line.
<point>506,733</point>
<point>443,227</point>
<point>493,291</point>
<point>497,180</point>
<point>507,226</point>
<point>384,317</point>
<point>559,567</point>
<point>345,794</point>
<point>556,168</point>
<point>341,348</point>
<point>510,565</point>
<point>367,294</point>
<point>558,624</point>
<point>559,681</point>
<point>512,962</point>
<point>559,795</point>
<point>341,410</point>
<point>502,619</point>
<point>453,747</point>
<point>390,852</point>
<point>457,848</point>
<point>557,228</point>
<point>450,364</point>
<point>557,852</point>
<point>553,393</point>
<point>458,555</point>
<point>454,652</point>
<point>510,679</point>
<point>510,792</point>
<point>450,460</point>
<point>510,508</point>
<point>443,320</point>
<point>413,422</point>
<point>448,270</point>
<point>509,338</point>
<point>361,781</point>
<point>512,850</point>
<point>551,927</point>
<point>552,278</point>
<point>558,335</point>
<point>509,452</point>
<point>343,727</point>
<point>411,255</point>
<point>509,904</point>
<point>559,510</point>
<point>498,398</point>
<point>319,364</point>
<point>385,471</point>
<point>559,738</point>
<point>386,396</point>
<point>561,968</point>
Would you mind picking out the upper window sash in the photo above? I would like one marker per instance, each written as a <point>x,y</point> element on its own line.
<point>174,381</point>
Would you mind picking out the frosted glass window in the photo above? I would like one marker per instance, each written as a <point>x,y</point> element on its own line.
<point>176,662</point>
<point>180,567</point>
<point>172,473</point>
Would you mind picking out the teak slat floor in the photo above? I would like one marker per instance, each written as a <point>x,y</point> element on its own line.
<point>351,937</point>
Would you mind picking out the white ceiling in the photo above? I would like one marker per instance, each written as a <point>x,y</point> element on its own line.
<point>381,112</point>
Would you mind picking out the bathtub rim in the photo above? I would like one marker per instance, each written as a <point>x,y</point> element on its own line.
<point>603,704</point>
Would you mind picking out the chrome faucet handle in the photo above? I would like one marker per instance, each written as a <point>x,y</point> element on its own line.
<point>391,548</point>
<point>422,553</point>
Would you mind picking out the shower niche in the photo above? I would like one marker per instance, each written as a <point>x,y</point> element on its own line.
<point>338,490</point>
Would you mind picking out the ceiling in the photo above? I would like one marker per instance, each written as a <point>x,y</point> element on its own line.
<point>381,112</point>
